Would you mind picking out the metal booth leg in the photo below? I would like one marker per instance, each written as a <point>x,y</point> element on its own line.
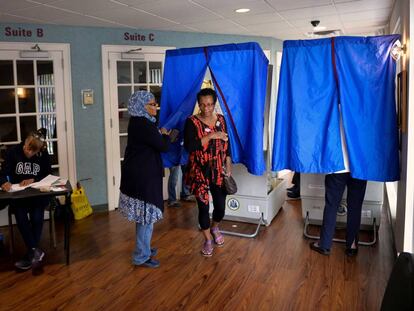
<point>244,235</point>
<point>316,237</point>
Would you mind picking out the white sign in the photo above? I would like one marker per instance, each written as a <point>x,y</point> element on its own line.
<point>253,208</point>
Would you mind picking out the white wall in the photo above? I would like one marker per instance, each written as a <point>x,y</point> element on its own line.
<point>404,220</point>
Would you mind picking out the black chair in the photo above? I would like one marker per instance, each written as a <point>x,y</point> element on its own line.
<point>52,232</point>
<point>399,294</point>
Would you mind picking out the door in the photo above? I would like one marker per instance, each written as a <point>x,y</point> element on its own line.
<point>31,97</point>
<point>33,93</point>
<point>125,73</point>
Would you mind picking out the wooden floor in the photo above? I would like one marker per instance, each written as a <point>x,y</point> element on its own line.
<point>274,271</point>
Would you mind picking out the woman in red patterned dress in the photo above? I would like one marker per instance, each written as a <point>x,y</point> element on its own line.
<point>205,138</point>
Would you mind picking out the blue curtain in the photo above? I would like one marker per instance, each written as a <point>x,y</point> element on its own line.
<point>184,71</point>
<point>366,73</point>
<point>307,135</point>
<point>240,70</point>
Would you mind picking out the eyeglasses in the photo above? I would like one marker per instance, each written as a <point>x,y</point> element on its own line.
<point>154,105</point>
<point>207,104</point>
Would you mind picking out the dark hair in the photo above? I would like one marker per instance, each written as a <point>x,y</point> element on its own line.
<point>207,92</point>
<point>37,140</point>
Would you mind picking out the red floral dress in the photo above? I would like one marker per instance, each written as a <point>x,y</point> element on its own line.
<point>206,162</point>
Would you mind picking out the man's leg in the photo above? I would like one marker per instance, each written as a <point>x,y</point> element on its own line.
<point>355,199</point>
<point>172,183</point>
<point>185,190</point>
<point>294,191</point>
<point>334,190</point>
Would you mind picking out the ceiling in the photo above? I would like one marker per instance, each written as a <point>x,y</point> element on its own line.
<point>281,19</point>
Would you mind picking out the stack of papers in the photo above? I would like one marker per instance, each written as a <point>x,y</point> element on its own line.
<point>17,187</point>
<point>45,182</point>
<point>50,181</point>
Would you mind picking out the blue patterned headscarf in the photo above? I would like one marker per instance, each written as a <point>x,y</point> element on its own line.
<point>137,102</point>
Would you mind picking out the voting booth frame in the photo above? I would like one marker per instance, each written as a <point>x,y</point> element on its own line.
<point>312,189</point>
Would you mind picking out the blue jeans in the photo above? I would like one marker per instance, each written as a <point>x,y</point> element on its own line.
<point>143,244</point>
<point>30,228</point>
<point>185,191</point>
<point>335,185</point>
<point>172,183</point>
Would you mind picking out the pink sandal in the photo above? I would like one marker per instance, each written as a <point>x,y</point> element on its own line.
<point>218,237</point>
<point>207,249</point>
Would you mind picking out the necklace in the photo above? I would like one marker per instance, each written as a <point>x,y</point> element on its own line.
<point>211,121</point>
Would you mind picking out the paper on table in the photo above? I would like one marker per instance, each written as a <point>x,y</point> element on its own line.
<point>60,182</point>
<point>17,187</point>
<point>57,189</point>
<point>45,182</point>
<point>48,181</point>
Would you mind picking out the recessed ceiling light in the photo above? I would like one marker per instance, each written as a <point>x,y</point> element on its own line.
<point>242,10</point>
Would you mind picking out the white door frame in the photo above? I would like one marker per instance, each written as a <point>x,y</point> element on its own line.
<point>63,48</point>
<point>106,50</point>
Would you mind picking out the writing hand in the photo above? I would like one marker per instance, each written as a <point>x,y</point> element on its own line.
<point>6,186</point>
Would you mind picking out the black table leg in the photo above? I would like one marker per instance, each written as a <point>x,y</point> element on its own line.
<point>67,228</point>
<point>11,231</point>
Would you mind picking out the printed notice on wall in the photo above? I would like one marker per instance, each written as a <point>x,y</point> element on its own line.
<point>23,32</point>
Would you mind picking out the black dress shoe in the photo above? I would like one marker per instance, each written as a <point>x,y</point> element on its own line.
<point>293,195</point>
<point>315,247</point>
<point>351,252</point>
<point>293,188</point>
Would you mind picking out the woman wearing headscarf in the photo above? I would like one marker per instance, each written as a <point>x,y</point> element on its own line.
<point>141,199</point>
<point>26,163</point>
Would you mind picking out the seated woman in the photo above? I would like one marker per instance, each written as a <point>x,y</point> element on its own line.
<point>205,138</point>
<point>26,163</point>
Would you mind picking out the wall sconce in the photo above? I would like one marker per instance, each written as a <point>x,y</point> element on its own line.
<point>21,92</point>
<point>34,52</point>
<point>133,54</point>
<point>397,50</point>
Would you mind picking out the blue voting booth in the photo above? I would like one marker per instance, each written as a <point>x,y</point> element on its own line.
<point>321,82</point>
<point>239,73</point>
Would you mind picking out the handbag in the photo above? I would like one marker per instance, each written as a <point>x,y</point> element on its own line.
<point>80,203</point>
<point>229,184</point>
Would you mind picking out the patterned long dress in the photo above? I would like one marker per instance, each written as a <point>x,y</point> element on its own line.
<point>206,163</point>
